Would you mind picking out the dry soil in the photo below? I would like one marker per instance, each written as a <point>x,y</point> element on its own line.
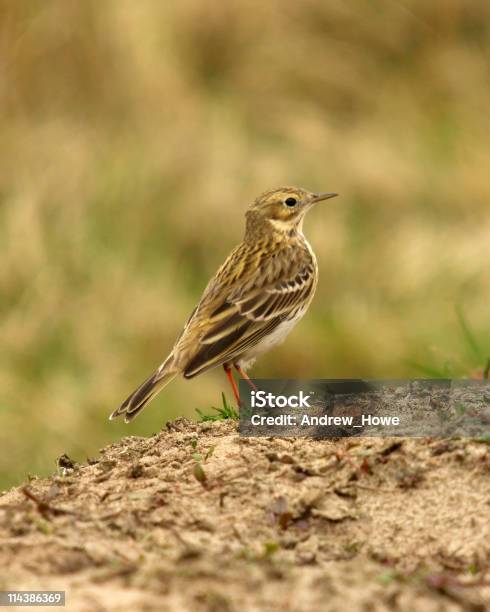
<point>197,518</point>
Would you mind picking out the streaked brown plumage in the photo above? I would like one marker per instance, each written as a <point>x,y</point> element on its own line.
<point>257,296</point>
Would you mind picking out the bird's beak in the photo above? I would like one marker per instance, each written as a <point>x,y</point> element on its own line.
<point>319,197</point>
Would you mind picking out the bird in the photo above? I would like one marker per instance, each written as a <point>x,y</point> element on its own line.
<point>254,300</point>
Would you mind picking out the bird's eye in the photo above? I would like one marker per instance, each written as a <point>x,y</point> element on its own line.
<point>290,202</point>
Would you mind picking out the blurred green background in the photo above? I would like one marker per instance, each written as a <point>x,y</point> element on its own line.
<point>133,136</point>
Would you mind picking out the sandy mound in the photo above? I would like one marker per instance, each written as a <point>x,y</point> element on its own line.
<point>197,518</point>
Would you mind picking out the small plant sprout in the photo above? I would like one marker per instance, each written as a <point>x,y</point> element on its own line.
<point>227,411</point>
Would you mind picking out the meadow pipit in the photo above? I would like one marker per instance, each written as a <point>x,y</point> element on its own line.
<point>254,300</point>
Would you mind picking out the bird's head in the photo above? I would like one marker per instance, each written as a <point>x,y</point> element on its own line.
<point>283,209</point>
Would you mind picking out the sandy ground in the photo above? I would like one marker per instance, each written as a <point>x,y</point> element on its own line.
<point>197,518</point>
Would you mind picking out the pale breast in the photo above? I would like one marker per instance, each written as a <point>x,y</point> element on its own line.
<point>273,339</point>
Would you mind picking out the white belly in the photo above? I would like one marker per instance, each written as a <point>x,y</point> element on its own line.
<point>271,340</point>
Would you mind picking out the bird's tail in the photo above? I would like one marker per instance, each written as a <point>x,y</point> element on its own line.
<point>135,403</point>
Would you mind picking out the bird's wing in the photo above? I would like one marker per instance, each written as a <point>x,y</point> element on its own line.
<point>234,315</point>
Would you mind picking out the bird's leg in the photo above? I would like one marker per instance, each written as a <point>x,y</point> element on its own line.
<point>233,384</point>
<point>245,376</point>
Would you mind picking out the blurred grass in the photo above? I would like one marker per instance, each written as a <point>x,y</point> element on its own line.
<point>135,134</point>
